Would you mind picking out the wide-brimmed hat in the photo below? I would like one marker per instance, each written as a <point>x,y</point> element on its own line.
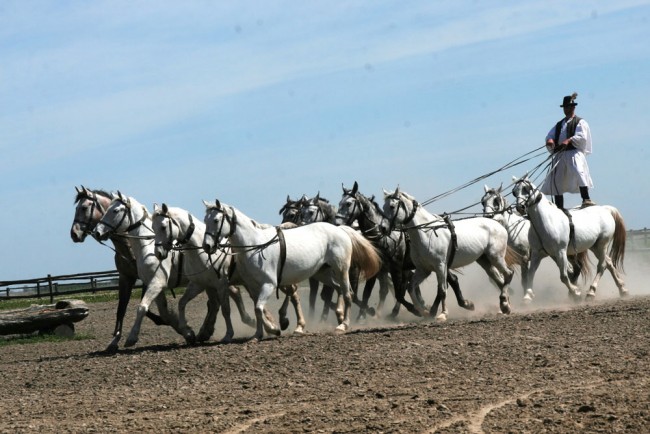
<point>569,100</point>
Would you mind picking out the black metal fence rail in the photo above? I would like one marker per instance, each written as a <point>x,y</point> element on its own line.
<point>52,286</point>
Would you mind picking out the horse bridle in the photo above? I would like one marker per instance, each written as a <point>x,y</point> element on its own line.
<point>126,213</point>
<point>232,221</point>
<point>533,198</point>
<point>351,215</point>
<point>168,245</point>
<point>295,218</point>
<point>95,204</point>
<point>409,217</point>
<point>502,207</point>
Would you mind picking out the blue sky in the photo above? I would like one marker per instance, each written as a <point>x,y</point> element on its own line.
<point>252,101</point>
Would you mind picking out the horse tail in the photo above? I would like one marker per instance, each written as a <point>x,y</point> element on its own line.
<point>364,254</point>
<point>513,257</point>
<point>585,268</point>
<point>617,250</point>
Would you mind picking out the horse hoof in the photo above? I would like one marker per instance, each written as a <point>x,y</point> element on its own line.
<point>442,317</point>
<point>190,338</point>
<point>468,305</point>
<point>203,337</point>
<point>371,311</point>
<point>505,309</point>
<point>623,292</point>
<point>130,342</point>
<point>299,331</point>
<point>111,348</point>
<point>341,328</point>
<point>591,296</point>
<point>284,323</point>
<point>226,339</point>
<point>249,322</point>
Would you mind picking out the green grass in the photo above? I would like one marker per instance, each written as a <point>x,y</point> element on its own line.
<point>35,339</point>
<point>99,297</point>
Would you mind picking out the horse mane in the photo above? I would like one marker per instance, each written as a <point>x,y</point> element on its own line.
<point>82,195</point>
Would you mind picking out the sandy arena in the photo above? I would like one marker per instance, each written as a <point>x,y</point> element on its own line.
<point>549,367</point>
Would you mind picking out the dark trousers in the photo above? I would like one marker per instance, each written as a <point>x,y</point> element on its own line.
<point>559,199</point>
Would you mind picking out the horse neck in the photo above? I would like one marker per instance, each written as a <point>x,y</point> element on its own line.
<point>422,216</point>
<point>182,219</point>
<point>246,231</point>
<point>142,237</point>
<point>544,213</point>
<point>368,219</point>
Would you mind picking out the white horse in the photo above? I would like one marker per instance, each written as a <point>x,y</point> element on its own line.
<point>596,228</point>
<point>91,206</point>
<point>496,206</point>
<point>479,239</point>
<point>128,218</point>
<point>270,257</point>
<point>176,228</point>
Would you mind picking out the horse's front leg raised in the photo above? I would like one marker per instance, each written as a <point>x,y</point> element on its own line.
<point>154,292</point>
<point>452,280</point>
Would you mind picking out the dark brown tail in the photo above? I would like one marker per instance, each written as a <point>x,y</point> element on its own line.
<point>513,258</point>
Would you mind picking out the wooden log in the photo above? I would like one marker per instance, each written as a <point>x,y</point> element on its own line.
<point>43,318</point>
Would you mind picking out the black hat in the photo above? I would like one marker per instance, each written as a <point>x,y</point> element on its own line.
<point>570,100</point>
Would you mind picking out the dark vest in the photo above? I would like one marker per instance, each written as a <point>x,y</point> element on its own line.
<point>570,128</point>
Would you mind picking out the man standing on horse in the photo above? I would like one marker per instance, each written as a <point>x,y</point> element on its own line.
<point>569,141</point>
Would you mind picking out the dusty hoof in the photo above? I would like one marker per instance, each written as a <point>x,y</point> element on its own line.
<point>284,323</point>
<point>190,338</point>
<point>442,317</point>
<point>299,331</point>
<point>468,305</point>
<point>623,292</point>
<point>505,308</point>
<point>341,328</point>
<point>130,342</point>
<point>591,296</point>
<point>371,311</point>
<point>226,339</point>
<point>250,322</point>
<point>204,336</point>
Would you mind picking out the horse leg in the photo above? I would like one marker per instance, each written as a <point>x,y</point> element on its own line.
<point>213,304</point>
<point>313,295</point>
<point>441,295</point>
<point>563,264</point>
<point>400,286</point>
<point>125,290</point>
<point>223,299</point>
<point>235,295</point>
<point>367,290</point>
<point>263,323</point>
<point>418,277</point>
<point>344,296</point>
<point>501,275</point>
<point>185,330</point>
<point>326,295</point>
<point>284,321</point>
<point>300,317</point>
<point>535,259</point>
<point>452,280</point>
<point>154,292</point>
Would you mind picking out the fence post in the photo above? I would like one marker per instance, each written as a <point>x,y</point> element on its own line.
<point>49,282</point>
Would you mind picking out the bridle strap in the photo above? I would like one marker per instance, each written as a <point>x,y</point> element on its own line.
<point>411,216</point>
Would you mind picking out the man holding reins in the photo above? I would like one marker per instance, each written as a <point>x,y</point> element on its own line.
<point>569,141</point>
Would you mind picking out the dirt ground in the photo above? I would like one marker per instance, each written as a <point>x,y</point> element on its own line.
<point>548,367</point>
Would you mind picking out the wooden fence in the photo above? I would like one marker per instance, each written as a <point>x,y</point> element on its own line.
<point>52,286</point>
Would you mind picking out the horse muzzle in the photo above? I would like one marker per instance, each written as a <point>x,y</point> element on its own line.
<point>161,252</point>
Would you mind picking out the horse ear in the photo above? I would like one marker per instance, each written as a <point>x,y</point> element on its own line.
<point>514,178</point>
<point>386,193</point>
<point>77,189</point>
<point>207,204</point>
<point>501,188</point>
<point>165,209</point>
<point>355,188</point>
<point>155,208</point>
<point>317,197</point>
<point>288,199</point>
<point>486,188</point>
<point>217,204</point>
<point>397,192</point>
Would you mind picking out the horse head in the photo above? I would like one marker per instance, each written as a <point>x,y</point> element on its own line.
<point>399,208</point>
<point>292,210</point>
<point>165,231</point>
<point>525,193</point>
<point>493,201</point>
<point>317,209</point>
<point>220,222</point>
<point>123,215</point>
<point>91,206</point>
<point>349,206</point>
